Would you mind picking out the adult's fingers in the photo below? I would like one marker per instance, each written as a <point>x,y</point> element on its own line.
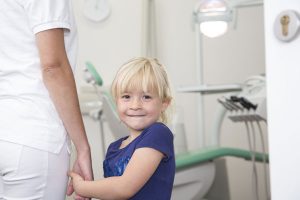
<point>70,188</point>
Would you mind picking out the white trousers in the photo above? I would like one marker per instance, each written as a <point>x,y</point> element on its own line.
<point>31,174</point>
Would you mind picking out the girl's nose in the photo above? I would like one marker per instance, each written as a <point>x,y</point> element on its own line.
<point>136,103</point>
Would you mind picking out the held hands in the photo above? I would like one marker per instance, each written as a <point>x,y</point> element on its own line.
<point>76,179</point>
<point>82,170</point>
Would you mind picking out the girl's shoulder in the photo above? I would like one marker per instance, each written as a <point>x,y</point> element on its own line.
<point>157,133</point>
<point>158,127</point>
<point>158,136</point>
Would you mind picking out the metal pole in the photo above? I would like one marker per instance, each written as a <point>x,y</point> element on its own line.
<point>102,135</point>
<point>199,74</point>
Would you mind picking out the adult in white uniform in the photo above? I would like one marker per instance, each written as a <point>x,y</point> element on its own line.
<point>39,107</point>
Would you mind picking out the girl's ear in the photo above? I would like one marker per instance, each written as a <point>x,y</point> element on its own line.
<point>166,102</point>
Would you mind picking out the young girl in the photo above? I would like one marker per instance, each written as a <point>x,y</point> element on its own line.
<point>142,165</point>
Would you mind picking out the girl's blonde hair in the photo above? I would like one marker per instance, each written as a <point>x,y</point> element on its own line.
<point>146,74</point>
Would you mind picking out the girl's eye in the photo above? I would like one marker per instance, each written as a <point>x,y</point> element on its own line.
<point>147,97</point>
<point>126,96</point>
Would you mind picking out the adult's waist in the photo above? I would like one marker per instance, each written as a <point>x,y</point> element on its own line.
<point>32,120</point>
<point>29,110</point>
<point>22,84</point>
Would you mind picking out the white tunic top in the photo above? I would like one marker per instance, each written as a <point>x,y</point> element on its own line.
<point>27,114</point>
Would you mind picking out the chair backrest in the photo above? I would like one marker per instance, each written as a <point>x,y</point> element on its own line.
<point>116,126</point>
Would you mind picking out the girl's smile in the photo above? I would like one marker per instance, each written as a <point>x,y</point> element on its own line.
<point>138,109</point>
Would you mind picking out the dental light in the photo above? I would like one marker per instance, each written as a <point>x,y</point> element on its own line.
<point>213,16</point>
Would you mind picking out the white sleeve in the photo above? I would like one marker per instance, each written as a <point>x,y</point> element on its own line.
<point>48,14</point>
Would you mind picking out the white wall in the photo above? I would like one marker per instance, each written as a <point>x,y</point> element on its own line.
<point>228,59</point>
<point>112,42</point>
<point>282,60</point>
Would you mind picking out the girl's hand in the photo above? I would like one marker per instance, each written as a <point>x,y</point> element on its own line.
<point>75,181</point>
<point>75,177</point>
<point>83,168</point>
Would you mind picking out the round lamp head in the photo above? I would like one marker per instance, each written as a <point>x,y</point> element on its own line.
<point>214,29</point>
<point>213,17</point>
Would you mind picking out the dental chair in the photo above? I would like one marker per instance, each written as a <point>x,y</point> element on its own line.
<point>195,170</point>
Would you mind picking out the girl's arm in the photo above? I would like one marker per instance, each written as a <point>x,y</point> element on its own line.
<point>140,168</point>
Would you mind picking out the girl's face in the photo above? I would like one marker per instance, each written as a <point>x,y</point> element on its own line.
<point>138,109</point>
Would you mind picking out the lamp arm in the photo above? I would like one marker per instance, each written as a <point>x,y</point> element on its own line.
<point>245,3</point>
